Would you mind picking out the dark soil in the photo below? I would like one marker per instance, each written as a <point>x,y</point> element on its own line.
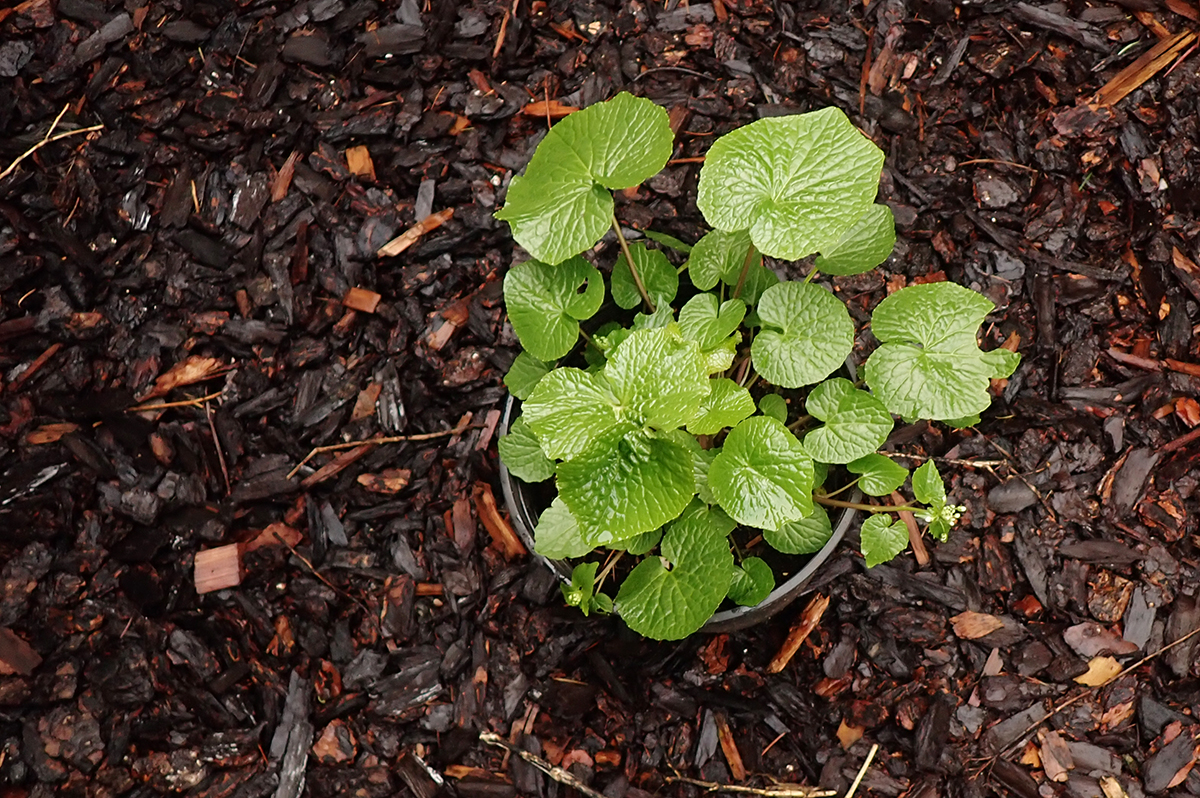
<point>199,251</point>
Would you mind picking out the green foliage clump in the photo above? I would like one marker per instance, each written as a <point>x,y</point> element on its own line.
<point>657,447</point>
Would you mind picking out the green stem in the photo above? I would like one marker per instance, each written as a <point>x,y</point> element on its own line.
<point>798,423</point>
<point>843,488</point>
<point>752,378</point>
<point>637,277</point>
<point>811,276</point>
<point>870,508</point>
<point>741,283</point>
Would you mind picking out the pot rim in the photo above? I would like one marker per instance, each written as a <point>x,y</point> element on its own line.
<point>524,518</point>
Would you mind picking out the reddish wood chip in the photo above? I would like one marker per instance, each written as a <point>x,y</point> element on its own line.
<point>502,534</point>
<point>16,656</point>
<point>553,109</point>
<point>796,637</point>
<point>974,625</point>
<point>387,482</point>
<point>194,369</point>
<point>49,433</point>
<point>413,234</point>
<point>361,299</point>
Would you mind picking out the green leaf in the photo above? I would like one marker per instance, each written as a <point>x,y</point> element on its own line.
<point>524,374</point>
<point>752,582</point>
<point>726,404</point>
<point>820,473</point>
<point>670,242</point>
<point>638,544</point>
<point>807,334</point>
<point>763,477</point>
<point>856,423</point>
<point>864,246</point>
<point>798,183</point>
<point>928,364</point>
<point>962,423</point>
<point>806,536</point>
<point>706,324</point>
<point>880,475</point>
<point>775,406</point>
<point>657,273</point>
<point>545,304</point>
<point>669,597</point>
<point>560,206</point>
<point>581,592</point>
<point>701,461</point>
<point>928,487</point>
<point>522,454</point>
<point>658,378</point>
<point>568,410</point>
<point>758,280</point>
<point>939,528</point>
<point>881,539</point>
<point>721,356</point>
<point>626,483</point>
<point>719,256</point>
<point>557,534</point>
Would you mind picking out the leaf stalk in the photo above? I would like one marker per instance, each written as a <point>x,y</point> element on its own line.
<point>741,283</point>
<point>633,270</point>
<point>869,508</point>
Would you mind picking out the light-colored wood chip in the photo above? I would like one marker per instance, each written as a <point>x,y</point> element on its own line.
<point>1101,671</point>
<point>49,433</point>
<point>548,108</point>
<point>1056,757</point>
<point>364,406</point>
<point>362,300</point>
<point>335,466</point>
<point>502,533</point>
<point>1145,67</point>
<point>387,482</point>
<point>283,178</point>
<point>729,748</point>
<point>799,633</point>
<point>413,234</point>
<point>194,369</point>
<point>974,625</point>
<point>218,569</point>
<point>360,163</point>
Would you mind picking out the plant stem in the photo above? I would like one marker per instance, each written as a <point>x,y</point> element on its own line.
<point>637,277</point>
<point>741,283</point>
<point>811,276</point>
<point>798,423</point>
<point>608,566</point>
<point>870,508</point>
<point>843,488</point>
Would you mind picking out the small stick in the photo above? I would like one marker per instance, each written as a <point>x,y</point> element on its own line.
<point>556,773</point>
<point>47,139</point>
<point>1000,162</point>
<point>180,403</point>
<point>459,428</point>
<point>637,277</point>
<point>862,771</point>
<point>34,367</point>
<point>775,791</point>
<point>217,445</point>
<point>808,621</point>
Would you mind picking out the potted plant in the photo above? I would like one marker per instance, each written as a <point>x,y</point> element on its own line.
<point>704,428</point>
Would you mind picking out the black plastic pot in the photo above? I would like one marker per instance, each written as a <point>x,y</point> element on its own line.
<point>524,507</point>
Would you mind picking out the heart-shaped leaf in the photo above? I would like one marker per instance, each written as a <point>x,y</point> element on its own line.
<point>864,246</point>
<point>879,475</point>
<point>626,483</point>
<point>928,364</point>
<point>523,455</point>
<point>807,334</point>
<point>726,404</point>
<point>557,534</point>
<point>561,206</point>
<point>658,377</point>
<point>797,183</point>
<point>524,374</point>
<point>545,304</point>
<point>669,601</point>
<point>568,410</point>
<point>928,487</point>
<point>706,324</point>
<point>775,406</point>
<point>856,423</point>
<point>762,477</point>
<point>719,256</point>
<point>806,536</point>
<point>881,539</point>
<point>752,582</point>
<point>638,544</point>
<point>657,273</point>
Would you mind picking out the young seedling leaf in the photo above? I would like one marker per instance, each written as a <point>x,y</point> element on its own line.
<point>928,487</point>
<point>545,304</point>
<point>775,406</point>
<point>639,544</point>
<point>864,246</point>
<point>703,322</point>
<point>721,356</point>
<point>522,454</point>
<point>626,483</point>
<point>928,364</point>
<point>524,374</point>
<point>752,582</point>
<point>879,475</point>
<point>561,206</point>
<point>557,534</point>
<point>581,592</point>
<point>726,404</point>
<point>806,536</point>
<point>568,410</point>
<point>718,257</point>
<point>881,539</point>
<point>797,183</point>
<point>807,334</point>
<point>658,378</point>
<point>657,273</point>
<point>763,477</point>
<point>856,423</point>
<point>669,597</point>
<point>670,242</point>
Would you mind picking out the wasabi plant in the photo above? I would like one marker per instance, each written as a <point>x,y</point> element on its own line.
<point>657,446</point>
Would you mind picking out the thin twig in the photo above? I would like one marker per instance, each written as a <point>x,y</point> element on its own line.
<point>47,139</point>
<point>862,771</point>
<point>463,424</point>
<point>633,270</point>
<point>556,773</point>
<point>181,403</point>
<point>217,445</point>
<point>775,791</point>
<point>312,568</point>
